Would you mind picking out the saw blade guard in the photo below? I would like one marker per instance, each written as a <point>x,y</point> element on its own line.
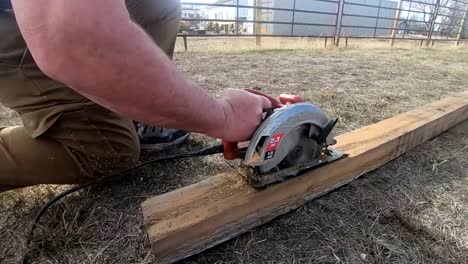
<point>265,150</point>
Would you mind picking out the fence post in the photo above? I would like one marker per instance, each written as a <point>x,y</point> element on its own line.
<point>293,18</point>
<point>395,22</point>
<point>258,26</point>
<point>433,20</point>
<point>237,17</point>
<point>185,42</point>
<point>462,26</point>
<point>326,40</point>
<point>377,19</point>
<point>346,42</point>
<point>339,16</point>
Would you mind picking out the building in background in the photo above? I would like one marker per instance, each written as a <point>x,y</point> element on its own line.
<point>220,12</point>
<point>327,20</point>
<point>192,19</point>
<point>229,13</point>
<point>247,15</point>
<point>359,18</point>
<point>385,18</point>
<point>192,11</point>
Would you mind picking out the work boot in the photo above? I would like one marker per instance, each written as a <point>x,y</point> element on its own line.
<point>153,138</point>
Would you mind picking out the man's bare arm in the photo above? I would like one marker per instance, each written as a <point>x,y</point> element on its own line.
<point>95,48</point>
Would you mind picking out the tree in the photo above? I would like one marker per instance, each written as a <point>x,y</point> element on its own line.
<point>433,9</point>
<point>452,19</point>
<point>216,28</point>
<point>183,27</point>
<point>410,25</point>
<point>210,26</point>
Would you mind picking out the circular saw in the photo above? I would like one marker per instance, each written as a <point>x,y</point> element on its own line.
<point>290,140</point>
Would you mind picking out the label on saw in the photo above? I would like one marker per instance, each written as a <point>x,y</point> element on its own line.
<point>273,145</point>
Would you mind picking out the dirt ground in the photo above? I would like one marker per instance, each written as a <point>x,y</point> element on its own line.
<point>412,210</point>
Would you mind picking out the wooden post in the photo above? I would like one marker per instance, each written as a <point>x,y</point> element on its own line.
<point>420,44</point>
<point>432,44</point>
<point>395,23</point>
<point>339,17</point>
<point>326,40</point>
<point>346,42</point>
<point>461,28</point>
<point>258,26</point>
<point>185,42</point>
<point>192,219</point>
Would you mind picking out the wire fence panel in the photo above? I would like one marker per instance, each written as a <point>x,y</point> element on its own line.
<point>429,20</point>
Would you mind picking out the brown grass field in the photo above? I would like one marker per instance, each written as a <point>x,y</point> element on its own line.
<point>412,210</point>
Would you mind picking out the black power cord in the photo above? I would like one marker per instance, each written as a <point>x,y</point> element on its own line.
<point>204,152</point>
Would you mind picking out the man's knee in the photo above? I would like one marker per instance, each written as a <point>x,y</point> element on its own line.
<point>100,141</point>
<point>149,12</point>
<point>122,153</point>
<point>159,18</point>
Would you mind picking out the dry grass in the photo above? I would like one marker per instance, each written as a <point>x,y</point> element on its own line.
<point>242,44</point>
<point>412,210</point>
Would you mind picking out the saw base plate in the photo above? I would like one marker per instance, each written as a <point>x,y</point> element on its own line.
<point>259,180</point>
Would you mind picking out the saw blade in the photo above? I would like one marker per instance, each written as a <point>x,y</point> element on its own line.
<point>306,150</point>
<point>297,148</point>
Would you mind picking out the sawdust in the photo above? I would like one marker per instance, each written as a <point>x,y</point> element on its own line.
<point>232,182</point>
<point>412,210</point>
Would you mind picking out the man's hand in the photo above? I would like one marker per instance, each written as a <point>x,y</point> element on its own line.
<point>243,114</point>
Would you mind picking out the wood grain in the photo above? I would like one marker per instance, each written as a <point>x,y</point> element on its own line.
<point>187,221</point>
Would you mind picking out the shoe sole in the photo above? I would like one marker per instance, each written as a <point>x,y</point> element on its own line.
<point>162,146</point>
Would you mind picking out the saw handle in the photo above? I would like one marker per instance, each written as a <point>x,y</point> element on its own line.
<point>231,149</point>
<point>290,99</point>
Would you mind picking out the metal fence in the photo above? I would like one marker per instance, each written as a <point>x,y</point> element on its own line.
<point>424,20</point>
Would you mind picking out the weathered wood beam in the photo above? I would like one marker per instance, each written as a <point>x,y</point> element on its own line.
<point>187,221</point>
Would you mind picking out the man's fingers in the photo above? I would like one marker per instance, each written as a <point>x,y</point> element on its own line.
<point>266,103</point>
<point>273,101</point>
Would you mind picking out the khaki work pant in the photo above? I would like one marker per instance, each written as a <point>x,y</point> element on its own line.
<point>65,138</point>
